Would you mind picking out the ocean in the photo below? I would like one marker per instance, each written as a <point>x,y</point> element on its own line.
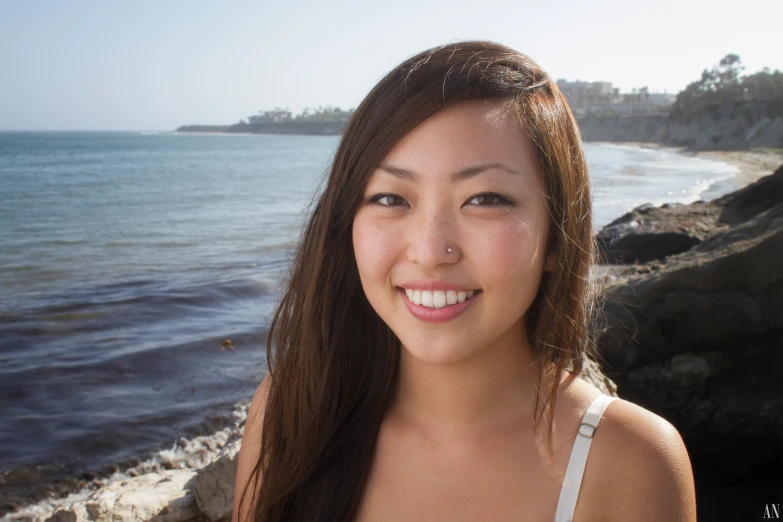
<point>128,259</point>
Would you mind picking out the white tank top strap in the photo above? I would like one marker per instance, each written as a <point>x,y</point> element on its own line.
<point>566,504</point>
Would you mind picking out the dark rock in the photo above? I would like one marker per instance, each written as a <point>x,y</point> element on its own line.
<point>649,233</point>
<point>752,200</point>
<point>698,338</point>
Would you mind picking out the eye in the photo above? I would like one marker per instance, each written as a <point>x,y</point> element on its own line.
<point>485,199</point>
<point>385,200</point>
<point>490,199</point>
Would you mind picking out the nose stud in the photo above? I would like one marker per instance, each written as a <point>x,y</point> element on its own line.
<point>448,250</point>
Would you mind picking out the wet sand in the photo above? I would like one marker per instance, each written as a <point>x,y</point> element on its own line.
<point>753,164</point>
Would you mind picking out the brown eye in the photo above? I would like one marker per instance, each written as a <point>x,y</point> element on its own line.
<point>386,200</point>
<point>488,199</point>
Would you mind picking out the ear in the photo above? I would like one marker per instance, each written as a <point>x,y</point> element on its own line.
<point>549,264</point>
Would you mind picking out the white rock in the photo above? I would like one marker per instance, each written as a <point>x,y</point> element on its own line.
<point>166,496</point>
<point>214,485</point>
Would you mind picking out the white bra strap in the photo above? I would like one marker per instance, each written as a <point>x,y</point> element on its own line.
<point>566,505</point>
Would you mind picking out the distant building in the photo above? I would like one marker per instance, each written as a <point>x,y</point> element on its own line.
<point>639,102</point>
<point>662,99</point>
<point>581,95</point>
<point>600,97</point>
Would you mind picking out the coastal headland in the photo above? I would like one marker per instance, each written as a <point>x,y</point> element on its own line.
<point>306,128</point>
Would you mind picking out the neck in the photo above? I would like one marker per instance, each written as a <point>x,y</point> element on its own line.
<point>492,390</point>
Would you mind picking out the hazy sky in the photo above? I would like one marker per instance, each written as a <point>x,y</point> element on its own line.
<point>156,65</point>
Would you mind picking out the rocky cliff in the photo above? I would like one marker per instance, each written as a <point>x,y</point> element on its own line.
<point>731,125</point>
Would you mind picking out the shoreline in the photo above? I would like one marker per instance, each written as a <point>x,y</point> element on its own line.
<point>753,164</point>
<point>191,453</point>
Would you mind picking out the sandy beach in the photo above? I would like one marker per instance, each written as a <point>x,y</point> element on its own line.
<point>753,164</point>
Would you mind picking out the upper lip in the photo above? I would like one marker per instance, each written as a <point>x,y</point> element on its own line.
<point>433,285</point>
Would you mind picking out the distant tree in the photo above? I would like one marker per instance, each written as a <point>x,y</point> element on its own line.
<point>763,85</point>
<point>719,84</point>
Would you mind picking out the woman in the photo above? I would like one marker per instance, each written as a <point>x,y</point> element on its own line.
<point>431,336</point>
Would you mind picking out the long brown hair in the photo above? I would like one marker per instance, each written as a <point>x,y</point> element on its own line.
<point>333,362</point>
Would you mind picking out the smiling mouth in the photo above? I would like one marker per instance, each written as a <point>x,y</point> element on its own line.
<point>438,298</point>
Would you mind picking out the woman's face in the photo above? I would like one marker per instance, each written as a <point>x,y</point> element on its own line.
<point>464,179</point>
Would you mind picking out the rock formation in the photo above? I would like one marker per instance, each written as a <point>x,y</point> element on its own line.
<point>165,496</point>
<point>697,337</point>
<point>648,233</point>
<point>215,485</point>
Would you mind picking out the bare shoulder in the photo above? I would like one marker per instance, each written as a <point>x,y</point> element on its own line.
<point>249,450</point>
<point>258,402</point>
<point>646,472</point>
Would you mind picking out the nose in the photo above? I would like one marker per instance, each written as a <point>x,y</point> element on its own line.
<point>430,237</point>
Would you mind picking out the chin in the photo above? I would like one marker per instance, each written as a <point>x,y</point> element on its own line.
<point>425,351</point>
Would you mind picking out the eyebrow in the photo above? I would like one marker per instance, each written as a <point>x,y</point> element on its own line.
<point>466,173</point>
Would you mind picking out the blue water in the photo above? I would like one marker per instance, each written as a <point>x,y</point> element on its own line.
<point>127,259</point>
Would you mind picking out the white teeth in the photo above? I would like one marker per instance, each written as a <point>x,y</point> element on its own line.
<point>438,298</point>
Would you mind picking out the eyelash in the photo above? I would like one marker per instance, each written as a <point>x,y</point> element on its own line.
<point>502,202</point>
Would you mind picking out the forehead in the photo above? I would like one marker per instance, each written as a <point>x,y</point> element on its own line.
<point>474,132</point>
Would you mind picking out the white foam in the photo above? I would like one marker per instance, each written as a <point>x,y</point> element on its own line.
<point>622,182</point>
<point>194,453</point>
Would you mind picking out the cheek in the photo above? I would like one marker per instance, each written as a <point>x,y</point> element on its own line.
<point>373,250</point>
<point>512,255</point>
<point>511,247</point>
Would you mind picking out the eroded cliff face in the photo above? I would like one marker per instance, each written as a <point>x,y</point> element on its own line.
<point>731,125</point>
